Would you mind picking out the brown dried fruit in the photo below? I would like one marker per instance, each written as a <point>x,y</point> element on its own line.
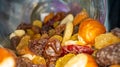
<point>109,55</point>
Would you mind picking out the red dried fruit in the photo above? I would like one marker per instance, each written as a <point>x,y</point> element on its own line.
<point>76,49</point>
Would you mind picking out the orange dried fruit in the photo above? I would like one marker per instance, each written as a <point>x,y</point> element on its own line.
<point>89,29</point>
<point>48,17</point>
<point>80,17</point>
<point>7,58</point>
<point>63,60</point>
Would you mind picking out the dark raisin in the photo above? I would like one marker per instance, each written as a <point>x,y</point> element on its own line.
<point>109,55</point>
<point>15,41</point>
<point>24,26</point>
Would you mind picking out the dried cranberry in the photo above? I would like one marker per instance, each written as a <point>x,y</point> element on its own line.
<point>76,49</point>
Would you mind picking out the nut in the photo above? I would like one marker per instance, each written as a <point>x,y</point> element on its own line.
<point>19,32</point>
<point>12,35</point>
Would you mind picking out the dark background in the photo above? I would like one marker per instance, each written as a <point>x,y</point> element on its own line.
<point>114,13</point>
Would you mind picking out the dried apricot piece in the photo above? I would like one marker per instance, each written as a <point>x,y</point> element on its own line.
<point>48,17</point>
<point>63,60</point>
<point>89,29</point>
<point>80,16</point>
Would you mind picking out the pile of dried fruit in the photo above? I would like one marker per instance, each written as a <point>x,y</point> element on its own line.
<point>64,40</point>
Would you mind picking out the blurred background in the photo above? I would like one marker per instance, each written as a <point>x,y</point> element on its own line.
<point>13,12</point>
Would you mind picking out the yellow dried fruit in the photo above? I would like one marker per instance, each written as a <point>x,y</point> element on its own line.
<point>37,23</point>
<point>68,32</point>
<point>38,60</point>
<point>56,24</point>
<point>74,37</point>
<point>30,32</point>
<point>68,18</point>
<point>22,47</point>
<point>104,40</point>
<point>51,32</point>
<point>63,60</point>
<point>36,36</point>
<point>115,65</point>
<point>73,42</point>
<point>57,37</point>
<point>81,60</point>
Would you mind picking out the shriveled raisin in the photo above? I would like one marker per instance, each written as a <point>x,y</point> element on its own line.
<point>24,26</point>
<point>37,46</point>
<point>52,48</point>
<point>59,29</point>
<point>15,41</point>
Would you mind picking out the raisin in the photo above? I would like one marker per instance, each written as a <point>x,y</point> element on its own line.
<point>15,41</point>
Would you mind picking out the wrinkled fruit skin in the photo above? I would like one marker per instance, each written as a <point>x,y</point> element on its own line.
<point>76,49</point>
<point>37,46</point>
<point>109,55</point>
<point>116,31</point>
<point>15,41</point>
<point>52,48</point>
<point>25,62</point>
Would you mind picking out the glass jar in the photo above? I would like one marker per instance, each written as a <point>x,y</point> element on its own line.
<point>14,12</point>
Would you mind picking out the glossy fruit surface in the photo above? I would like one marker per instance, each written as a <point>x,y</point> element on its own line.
<point>81,60</point>
<point>80,17</point>
<point>89,29</point>
<point>63,60</point>
<point>76,49</point>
